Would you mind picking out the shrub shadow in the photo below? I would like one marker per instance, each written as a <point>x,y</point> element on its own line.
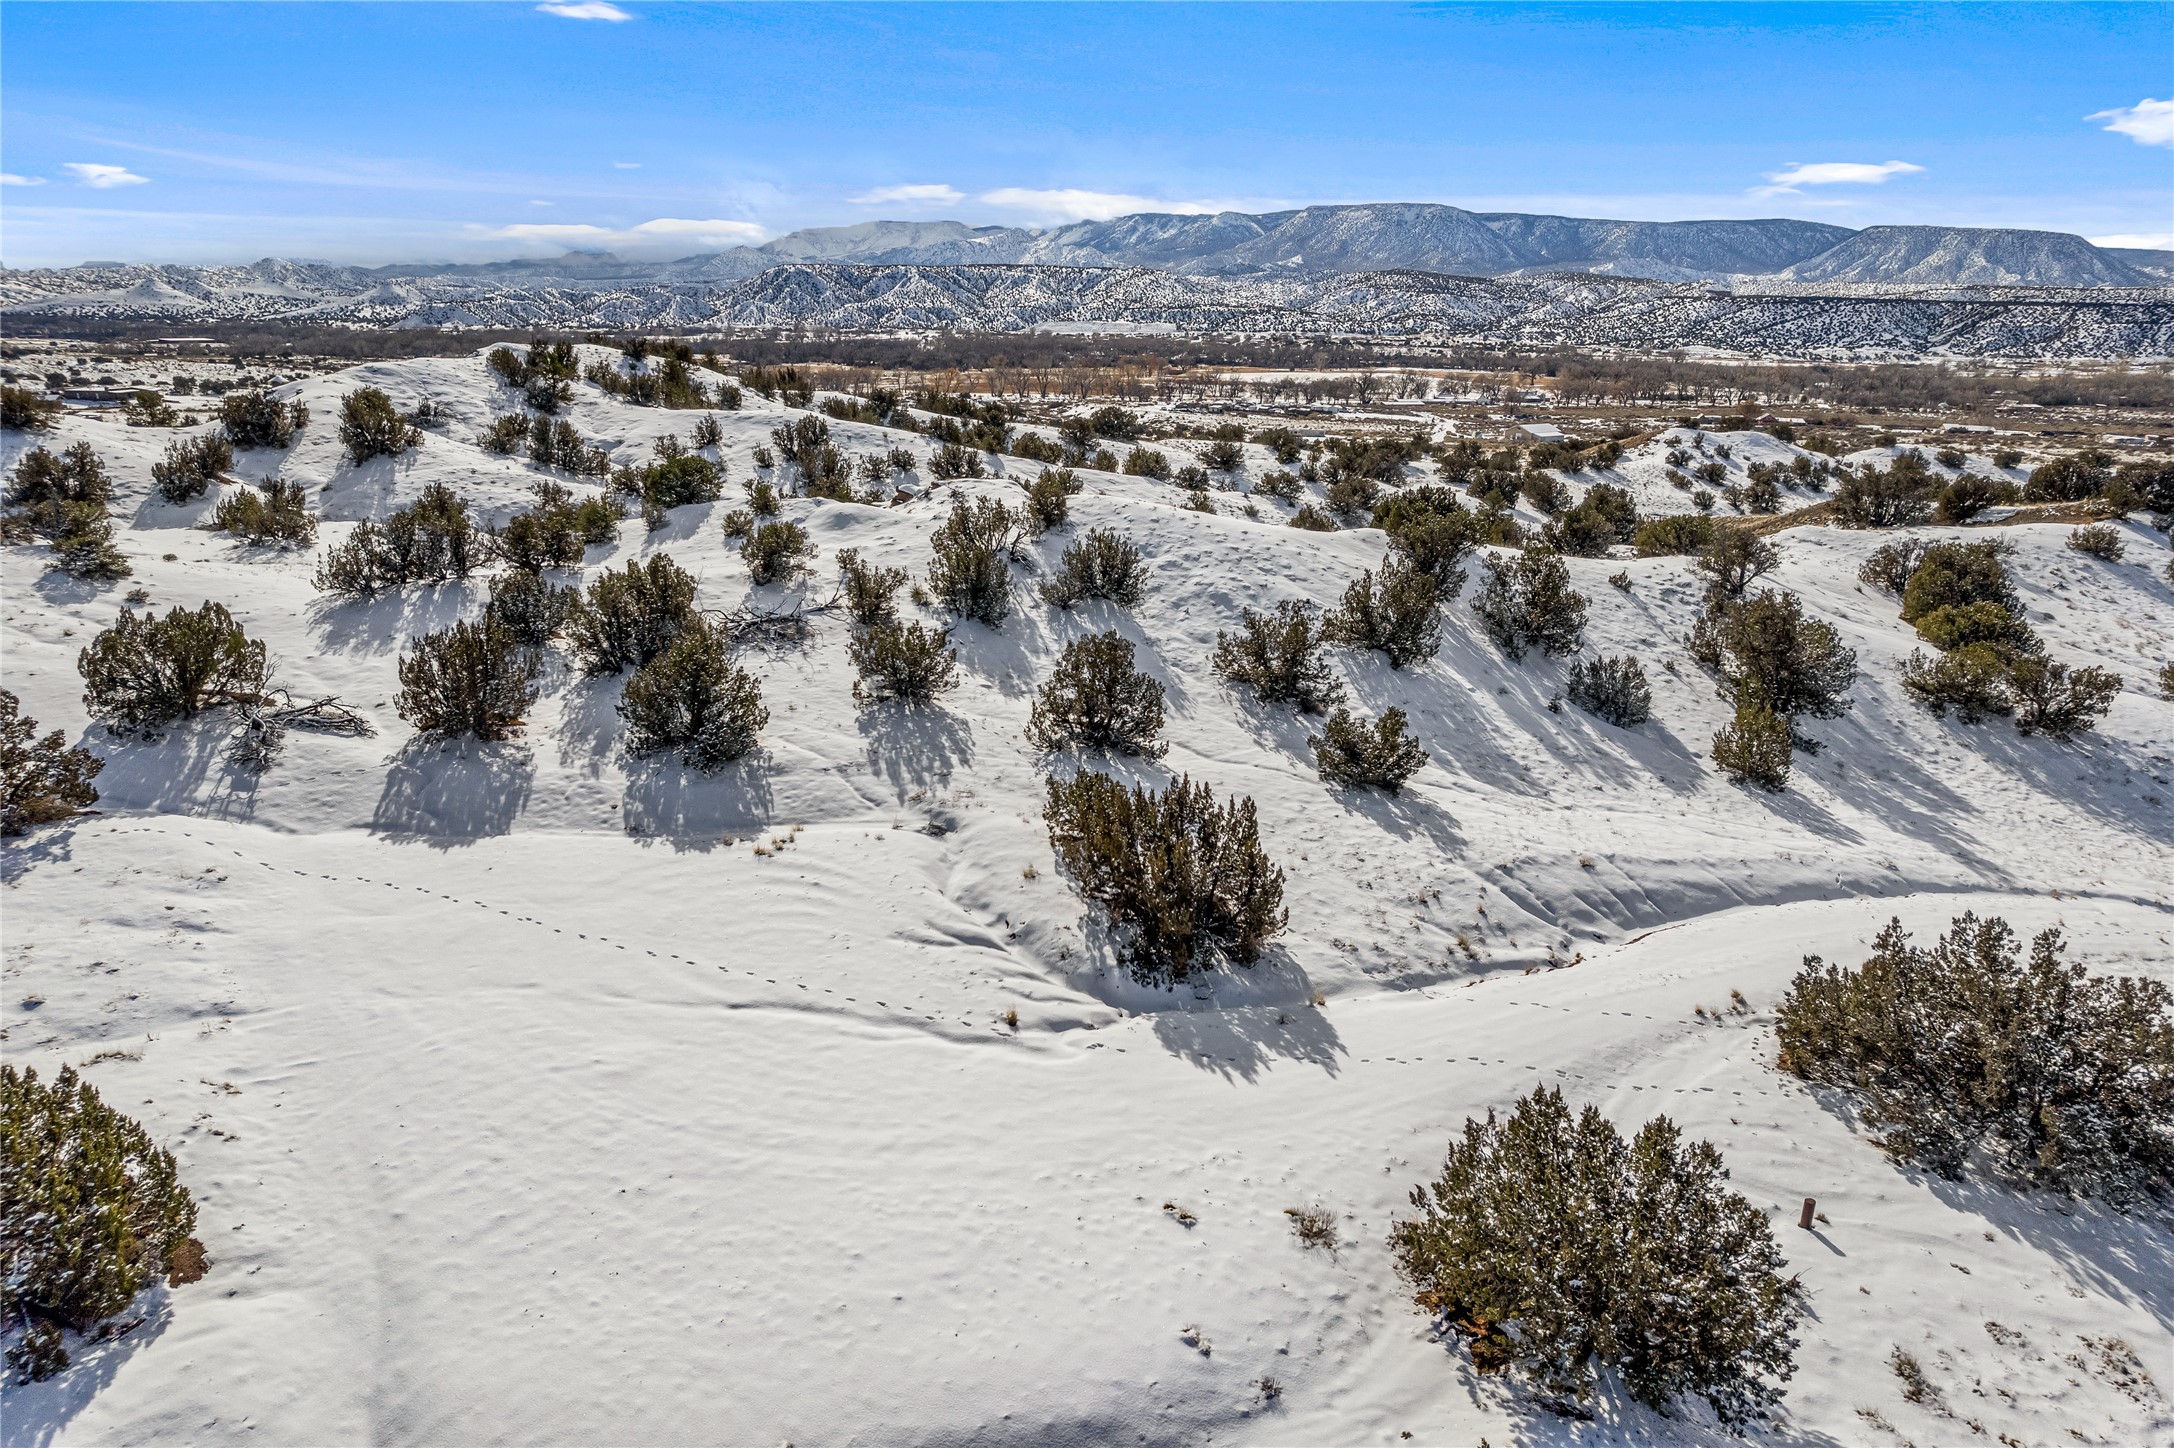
<point>666,800</point>
<point>453,792</point>
<point>915,747</point>
<point>183,769</point>
<point>381,625</point>
<point>39,1414</point>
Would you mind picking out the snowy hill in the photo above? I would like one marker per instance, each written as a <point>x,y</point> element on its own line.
<point>536,1092</point>
<point>1967,256</point>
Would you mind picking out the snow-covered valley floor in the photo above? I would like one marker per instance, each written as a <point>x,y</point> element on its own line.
<point>526,1101</point>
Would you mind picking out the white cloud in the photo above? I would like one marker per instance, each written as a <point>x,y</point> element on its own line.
<point>1832,173</point>
<point>663,233</point>
<point>626,165</point>
<point>1074,205</point>
<point>9,178</point>
<point>103,178</point>
<point>2148,122</point>
<point>584,10</point>
<point>2145,240</point>
<point>937,195</point>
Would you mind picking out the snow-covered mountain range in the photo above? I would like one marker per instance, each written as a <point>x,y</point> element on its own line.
<point>1555,309</point>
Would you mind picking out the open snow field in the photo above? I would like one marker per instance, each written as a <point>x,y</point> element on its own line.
<point>526,1101</point>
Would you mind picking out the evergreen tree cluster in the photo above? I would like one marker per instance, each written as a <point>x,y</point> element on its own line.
<point>1181,876</point>
<point>431,540</point>
<point>1277,655</point>
<point>370,427</point>
<point>1988,661</point>
<point>191,466</point>
<point>1555,1248</point>
<point>1969,1050</point>
<point>62,499</point>
<point>41,780</point>
<point>1527,602</point>
<point>253,419</point>
<point>1095,699</point>
<point>1775,665</point>
<point>970,567</point>
<point>277,515</point>
<point>146,671</point>
<point>92,1211</point>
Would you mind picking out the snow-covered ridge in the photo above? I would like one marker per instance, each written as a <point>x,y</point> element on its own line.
<point>1578,309</point>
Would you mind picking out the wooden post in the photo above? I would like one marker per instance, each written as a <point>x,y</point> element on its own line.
<point>1804,1218</point>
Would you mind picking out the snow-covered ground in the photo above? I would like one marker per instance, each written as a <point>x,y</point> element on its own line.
<point>526,1101</point>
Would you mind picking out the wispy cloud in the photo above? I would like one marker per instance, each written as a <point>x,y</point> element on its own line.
<point>9,178</point>
<point>663,232</point>
<point>584,10</point>
<point>936,195</point>
<point>2148,122</point>
<point>1799,175</point>
<point>100,177</point>
<point>2143,240</point>
<point>1073,205</point>
<point>626,165</point>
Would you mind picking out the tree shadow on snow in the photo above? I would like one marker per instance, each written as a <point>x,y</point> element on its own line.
<point>2104,777</point>
<point>1610,1416</point>
<point>52,844</point>
<point>61,588</point>
<point>2128,1257</point>
<point>381,625</point>
<point>184,769</point>
<point>453,792</point>
<point>589,724</point>
<point>39,1414</point>
<point>1902,795</point>
<point>689,810</point>
<point>915,747</point>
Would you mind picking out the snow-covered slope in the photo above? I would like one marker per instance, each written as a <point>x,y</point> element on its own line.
<point>1967,256</point>
<point>526,1100</point>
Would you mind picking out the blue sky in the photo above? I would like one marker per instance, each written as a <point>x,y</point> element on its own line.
<point>380,132</point>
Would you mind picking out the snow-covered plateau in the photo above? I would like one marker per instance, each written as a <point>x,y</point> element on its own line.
<point>532,1092</point>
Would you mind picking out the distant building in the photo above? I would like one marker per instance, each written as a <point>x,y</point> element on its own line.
<point>1541,431</point>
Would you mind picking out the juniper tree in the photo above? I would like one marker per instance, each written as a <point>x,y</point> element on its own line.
<point>23,410</point>
<point>191,466</point>
<point>970,570</point>
<point>1972,680</point>
<point>92,1210</point>
<point>1146,462</point>
<point>1528,602</point>
<point>253,419</point>
<point>1314,520</point>
<point>1399,614</point>
<point>631,615</point>
<point>77,475</point>
<point>1754,747</point>
<point>370,427</point>
<point>1049,498</point>
<point>277,515</point>
<point>146,671</point>
<point>1278,656</point>
<point>1898,496</point>
<point>870,592</point>
<point>1382,755</point>
<point>1764,650</point>
<point>472,678</point>
<point>1552,1246</point>
<point>1612,689</point>
<point>2053,699</point>
<point>531,607</point>
<point>692,698</point>
<point>431,540</point>
<point>1734,559</point>
<point>41,780</point>
<point>907,662</point>
<point>1104,564</point>
<point>1180,876</point>
<point>2059,1078</point>
<point>776,552</point>
<point>1095,699</point>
